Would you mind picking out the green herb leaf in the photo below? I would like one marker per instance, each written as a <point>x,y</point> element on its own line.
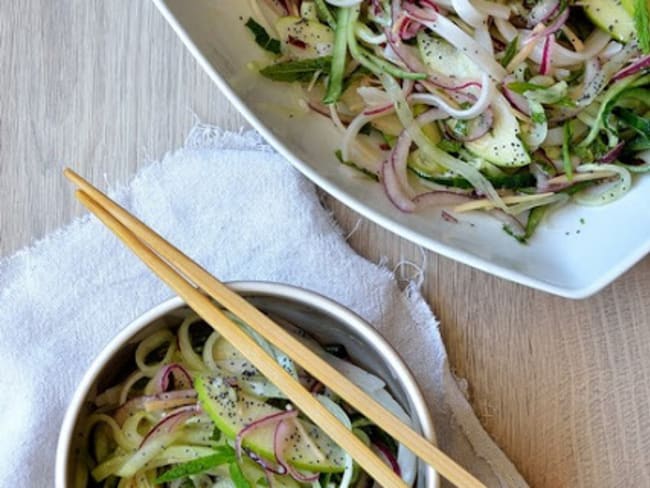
<point>223,454</point>
<point>511,50</point>
<point>538,117</point>
<point>642,24</point>
<point>237,476</point>
<point>522,87</point>
<point>302,70</point>
<point>636,122</point>
<point>262,37</point>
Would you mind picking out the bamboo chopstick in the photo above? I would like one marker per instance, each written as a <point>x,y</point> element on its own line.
<point>144,241</point>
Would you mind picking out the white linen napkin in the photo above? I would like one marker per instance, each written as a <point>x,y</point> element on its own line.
<point>238,208</point>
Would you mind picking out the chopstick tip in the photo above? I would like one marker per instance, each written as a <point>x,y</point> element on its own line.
<point>71,175</point>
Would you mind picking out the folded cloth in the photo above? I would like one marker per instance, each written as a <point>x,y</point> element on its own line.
<point>235,206</point>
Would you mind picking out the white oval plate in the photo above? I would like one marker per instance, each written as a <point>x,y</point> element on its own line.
<point>575,253</point>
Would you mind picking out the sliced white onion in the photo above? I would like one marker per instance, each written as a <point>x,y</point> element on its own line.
<point>484,38</point>
<point>612,49</point>
<point>340,414</point>
<point>352,131</point>
<point>463,114</point>
<point>542,11</point>
<point>366,35</point>
<point>493,9</point>
<point>547,200</point>
<point>468,13</point>
<point>368,382</point>
<point>373,96</point>
<point>405,458</point>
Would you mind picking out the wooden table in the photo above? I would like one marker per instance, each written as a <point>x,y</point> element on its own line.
<point>562,386</point>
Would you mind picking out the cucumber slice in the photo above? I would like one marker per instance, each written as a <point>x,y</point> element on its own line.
<point>231,410</point>
<point>501,145</point>
<point>304,38</point>
<point>442,57</point>
<point>613,17</point>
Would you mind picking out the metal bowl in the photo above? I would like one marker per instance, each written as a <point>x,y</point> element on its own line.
<point>324,320</point>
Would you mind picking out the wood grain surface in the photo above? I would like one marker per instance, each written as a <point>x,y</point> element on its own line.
<point>562,386</point>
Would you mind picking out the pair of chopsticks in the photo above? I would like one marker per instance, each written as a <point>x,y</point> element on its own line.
<point>197,287</point>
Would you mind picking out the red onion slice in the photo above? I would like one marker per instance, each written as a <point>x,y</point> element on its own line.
<point>182,378</point>
<point>481,104</point>
<point>279,444</point>
<point>399,159</point>
<point>431,116</point>
<point>477,127</point>
<point>516,100</point>
<point>393,188</point>
<point>159,401</point>
<point>387,456</point>
<point>611,155</point>
<point>258,424</point>
<point>557,24</point>
<point>171,422</point>
<point>545,66</point>
<point>634,68</point>
<point>267,466</point>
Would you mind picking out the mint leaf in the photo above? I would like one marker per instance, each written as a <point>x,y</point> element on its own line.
<point>223,454</point>
<point>642,24</point>
<point>262,37</point>
<point>302,70</point>
<point>511,50</point>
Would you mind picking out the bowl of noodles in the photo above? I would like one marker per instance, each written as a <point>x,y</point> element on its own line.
<point>169,403</point>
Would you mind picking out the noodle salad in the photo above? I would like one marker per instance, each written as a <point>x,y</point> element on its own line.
<point>511,108</point>
<point>192,412</point>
